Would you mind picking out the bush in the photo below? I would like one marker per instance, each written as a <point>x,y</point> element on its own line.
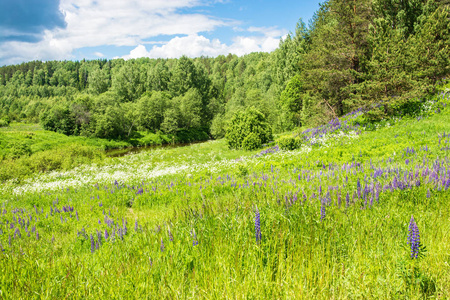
<point>4,123</point>
<point>18,149</point>
<point>251,141</point>
<point>248,130</point>
<point>65,158</point>
<point>289,142</point>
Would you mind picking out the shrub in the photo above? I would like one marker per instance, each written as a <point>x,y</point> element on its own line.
<point>251,141</point>
<point>248,130</point>
<point>3,123</point>
<point>289,142</point>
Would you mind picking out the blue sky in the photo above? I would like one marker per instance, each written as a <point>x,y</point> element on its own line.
<point>92,29</point>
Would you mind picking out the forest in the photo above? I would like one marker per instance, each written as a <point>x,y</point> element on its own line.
<point>352,54</point>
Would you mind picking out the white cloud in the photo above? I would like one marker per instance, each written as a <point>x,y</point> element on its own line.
<point>198,45</point>
<point>99,54</point>
<point>92,23</point>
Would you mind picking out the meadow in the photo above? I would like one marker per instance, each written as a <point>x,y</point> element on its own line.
<point>356,212</point>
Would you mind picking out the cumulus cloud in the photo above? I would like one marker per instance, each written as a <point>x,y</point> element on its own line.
<point>91,23</point>
<point>198,45</point>
<point>76,24</point>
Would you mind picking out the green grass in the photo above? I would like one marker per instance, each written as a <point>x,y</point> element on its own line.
<point>355,250</point>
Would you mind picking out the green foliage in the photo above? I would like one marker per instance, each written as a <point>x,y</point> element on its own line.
<point>23,164</point>
<point>18,149</point>
<point>291,103</point>
<point>58,119</point>
<point>251,142</point>
<point>352,55</point>
<point>4,123</point>
<point>289,142</point>
<point>248,130</point>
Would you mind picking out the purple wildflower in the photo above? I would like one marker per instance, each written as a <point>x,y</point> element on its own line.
<point>322,210</point>
<point>257,225</point>
<point>195,241</point>
<point>92,244</point>
<point>170,235</point>
<point>414,238</point>
<point>99,237</point>
<point>106,234</point>
<point>162,245</point>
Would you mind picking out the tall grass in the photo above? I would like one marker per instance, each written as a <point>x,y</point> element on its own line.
<point>316,243</point>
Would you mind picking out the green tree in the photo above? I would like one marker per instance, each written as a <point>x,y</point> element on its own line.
<point>291,103</point>
<point>338,53</point>
<point>248,130</point>
<point>98,80</point>
<point>151,110</point>
<point>127,82</point>
<point>170,123</point>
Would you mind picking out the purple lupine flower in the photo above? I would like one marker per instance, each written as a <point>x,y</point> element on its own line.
<point>428,193</point>
<point>76,213</point>
<point>92,244</point>
<point>162,245</point>
<point>170,236</point>
<point>37,235</point>
<point>99,237</point>
<point>413,238</point>
<point>358,188</point>
<point>257,225</point>
<point>322,210</point>
<point>106,234</point>
<point>194,236</point>
<point>17,233</point>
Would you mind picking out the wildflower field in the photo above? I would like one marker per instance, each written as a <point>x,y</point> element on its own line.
<point>356,212</point>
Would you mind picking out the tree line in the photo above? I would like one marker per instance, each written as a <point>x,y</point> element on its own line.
<point>351,54</point>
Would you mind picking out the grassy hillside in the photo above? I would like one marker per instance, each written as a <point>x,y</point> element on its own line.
<point>329,220</point>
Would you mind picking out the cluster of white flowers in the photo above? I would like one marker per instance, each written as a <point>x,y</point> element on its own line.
<point>325,139</point>
<point>124,172</point>
<point>152,164</point>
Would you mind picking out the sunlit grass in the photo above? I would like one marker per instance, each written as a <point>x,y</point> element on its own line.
<point>315,243</point>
